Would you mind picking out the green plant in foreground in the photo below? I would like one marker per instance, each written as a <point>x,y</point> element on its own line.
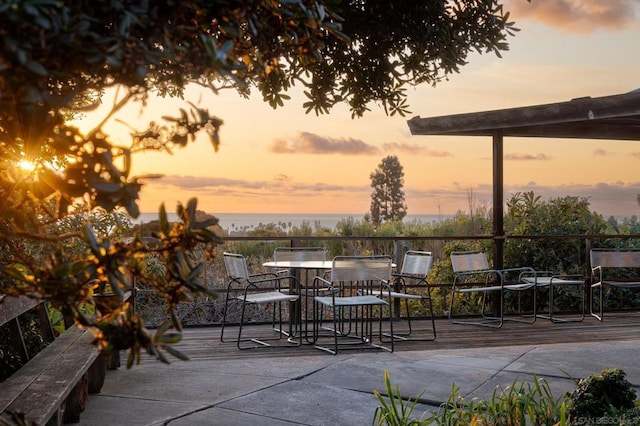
<point>395,411</point>
<point>522,403</point>
<point>605,398</point>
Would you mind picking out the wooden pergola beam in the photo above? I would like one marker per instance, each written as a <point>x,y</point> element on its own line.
<point>615,117</point>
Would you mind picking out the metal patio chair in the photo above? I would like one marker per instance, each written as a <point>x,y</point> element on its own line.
<point>350,303</point>
<point>613,268</point>
<point>258,289</point>
<point>410,284</point>
<point>472,274</point>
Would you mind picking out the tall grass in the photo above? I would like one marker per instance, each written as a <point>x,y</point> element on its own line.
<point>522,403</point>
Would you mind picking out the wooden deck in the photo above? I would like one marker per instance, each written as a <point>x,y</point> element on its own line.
<point>203,343</point>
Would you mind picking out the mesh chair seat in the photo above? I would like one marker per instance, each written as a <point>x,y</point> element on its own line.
<point>621,284</point>
<point>269,297</point>
<point>350,301</point>
<point>396,295</point>
<point>514,287</point>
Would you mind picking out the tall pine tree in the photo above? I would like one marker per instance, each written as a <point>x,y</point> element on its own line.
<point>387,198</point>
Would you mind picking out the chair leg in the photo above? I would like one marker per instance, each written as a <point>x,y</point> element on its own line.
<point>404,335</point>
<point>551,304</point>
<point>598,315</point>
<point>487,321</point>
<point>363,317</point>
<point>335,331</point>
<point>294,340</point>
<point>406,307</point>
<point>333,351</point>
<point>244,305</point>
<point>534,315</point>
<point>224,316</point>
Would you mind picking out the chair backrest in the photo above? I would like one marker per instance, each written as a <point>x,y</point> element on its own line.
<point>361,268</point>
<point>615,258</point>
<point>417,263</point>
<point>298,254</point>
<point>236,266</point>
<point>469,261</point>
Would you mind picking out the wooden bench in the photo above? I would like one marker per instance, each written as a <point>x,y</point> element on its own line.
<point>51,387</point>
<point>615,268</point>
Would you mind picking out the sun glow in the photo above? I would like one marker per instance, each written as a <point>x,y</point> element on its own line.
<point>26,165</point>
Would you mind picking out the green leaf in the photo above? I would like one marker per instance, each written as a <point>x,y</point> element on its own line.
<point>195,272</point>
<point>169,338</point>
<point>108,187</point>
<point>162,328</point>
<point>92,239</point>
<point>36,68</point>
<point>176,353</point>
<point>130,359</point>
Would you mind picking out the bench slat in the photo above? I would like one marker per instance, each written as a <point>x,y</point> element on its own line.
<point>13,307</point>
<point>42,384</point>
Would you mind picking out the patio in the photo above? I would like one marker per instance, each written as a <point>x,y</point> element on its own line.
<point>304,386</point>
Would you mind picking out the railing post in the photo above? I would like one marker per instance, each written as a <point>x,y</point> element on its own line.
<point>498,208</point>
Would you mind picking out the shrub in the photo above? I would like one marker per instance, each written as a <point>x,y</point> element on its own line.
<point>600,395</point>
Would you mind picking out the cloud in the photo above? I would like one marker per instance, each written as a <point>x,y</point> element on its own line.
<point>282,178</point>
<point>526,157</point>
<point>195,182</point>
<point>310,143</point>
<point>228,186</point>
<point>414,149</point>
<point>579,16</point>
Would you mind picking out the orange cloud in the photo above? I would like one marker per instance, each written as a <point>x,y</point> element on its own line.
<point>414,149</point>
<point>310,143</point>
<point>526,157</point>
<point>580,16</point>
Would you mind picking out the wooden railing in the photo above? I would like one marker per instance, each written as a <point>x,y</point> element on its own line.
<point>399,243</point>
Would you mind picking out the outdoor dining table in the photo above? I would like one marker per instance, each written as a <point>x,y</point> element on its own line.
<point>298,268</point>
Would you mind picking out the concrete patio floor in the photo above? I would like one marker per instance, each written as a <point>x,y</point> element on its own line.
<point>276,387</point>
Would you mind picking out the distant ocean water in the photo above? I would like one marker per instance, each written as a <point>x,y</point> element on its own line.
<point>248,221</point>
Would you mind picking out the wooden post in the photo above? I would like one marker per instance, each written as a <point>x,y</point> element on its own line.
<point>498,209</point>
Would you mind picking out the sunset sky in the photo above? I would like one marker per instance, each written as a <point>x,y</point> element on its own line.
<point>284,161</point>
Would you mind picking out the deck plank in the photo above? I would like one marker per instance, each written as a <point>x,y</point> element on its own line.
<point>203,342</point>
